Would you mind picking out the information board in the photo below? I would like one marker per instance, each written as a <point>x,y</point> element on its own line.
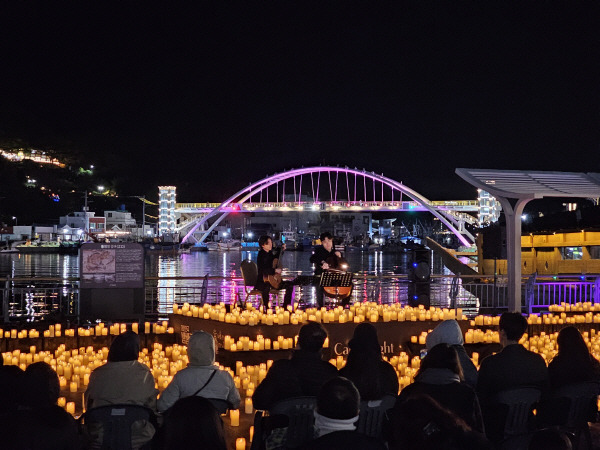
<point>111,265</point>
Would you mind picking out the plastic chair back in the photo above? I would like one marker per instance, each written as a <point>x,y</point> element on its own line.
<point>372,415</point>
<point>519,403</point>
<point>299,411</point>
<point>583,398</point>
<point>116,421</point>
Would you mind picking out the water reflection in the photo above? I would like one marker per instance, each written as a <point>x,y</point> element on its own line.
<point>378,276</point>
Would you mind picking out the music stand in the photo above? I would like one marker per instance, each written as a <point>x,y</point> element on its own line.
<point>336,280</point>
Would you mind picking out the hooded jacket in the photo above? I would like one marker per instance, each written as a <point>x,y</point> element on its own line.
<point>449,332</point>
<point>201,352</point>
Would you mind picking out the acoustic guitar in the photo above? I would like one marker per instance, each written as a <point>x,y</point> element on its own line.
<point>275,279</point>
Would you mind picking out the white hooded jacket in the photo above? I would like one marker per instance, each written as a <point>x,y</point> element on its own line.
<point>201,352</point>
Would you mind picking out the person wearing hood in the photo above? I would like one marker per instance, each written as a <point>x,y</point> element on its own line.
<point>449,332</point>
<point>122,380</point>
<point>201,377</point>
<point>440,377</point>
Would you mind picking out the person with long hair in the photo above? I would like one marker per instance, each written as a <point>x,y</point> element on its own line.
<point>365,367</point>
<point>192,423</point>
<point>122,380</point>
<point>574,363</point>
<point>440,376</point>
<point>39,423</point>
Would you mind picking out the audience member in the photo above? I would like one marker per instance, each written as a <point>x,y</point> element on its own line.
<point>192,423</point>
<point>301,375</point>
<point>440,376</point>
<point>372,376</point>
<point>336,416</point>
<point>39,424</point>
<point>513,367</point>
<point>573,363</point>
<point>11,381</point>
<point>449,332</point>
<point>420,423</point>
<point>201,377</point>
<point>122,380</point>
<point>550,439</point>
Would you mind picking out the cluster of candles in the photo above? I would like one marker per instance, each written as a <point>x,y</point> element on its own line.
<point>577,307</point>
<point>244,343</point>
<point>98,330</point>
<point>360,312</point>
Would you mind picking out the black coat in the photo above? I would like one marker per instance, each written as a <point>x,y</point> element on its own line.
<point>319,256</point>
<point>458,397</point>
<point>386,376</point>
<point>264,264</point>
<point>301,375</point>
<point>513,367</point>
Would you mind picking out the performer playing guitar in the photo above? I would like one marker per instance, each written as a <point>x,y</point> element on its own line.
<point>269,271</point>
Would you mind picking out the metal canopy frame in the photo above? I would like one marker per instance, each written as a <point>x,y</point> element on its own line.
<point>514,189</point>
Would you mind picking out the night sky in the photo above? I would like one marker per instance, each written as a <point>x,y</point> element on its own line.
<point>210,99</point>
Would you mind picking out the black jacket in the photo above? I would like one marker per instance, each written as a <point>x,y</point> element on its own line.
<point>456,396</point>
<point>264,264</point>
<point>319,256</point>
<point>386,377</point>
<point>301,375</point>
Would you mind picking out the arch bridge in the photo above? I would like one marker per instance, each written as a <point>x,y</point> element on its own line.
<point>325,189</point>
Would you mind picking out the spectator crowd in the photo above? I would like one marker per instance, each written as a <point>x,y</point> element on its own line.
<point>450,405</point>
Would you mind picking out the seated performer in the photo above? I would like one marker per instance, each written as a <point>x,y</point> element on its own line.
<point>266,267</point>
<point>325,257</point>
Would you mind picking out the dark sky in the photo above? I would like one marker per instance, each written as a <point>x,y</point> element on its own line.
<point>210,99</point>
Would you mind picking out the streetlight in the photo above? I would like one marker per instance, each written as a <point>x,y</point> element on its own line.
<point>100,189</point>
<point>16,221</point>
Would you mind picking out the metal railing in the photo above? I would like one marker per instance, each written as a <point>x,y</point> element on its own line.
<point>36,299</point>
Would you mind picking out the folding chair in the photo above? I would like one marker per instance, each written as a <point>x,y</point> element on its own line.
<point>372,415</point>
<point>116,422</point>
<point>250,273</point>
<point>300,422</point>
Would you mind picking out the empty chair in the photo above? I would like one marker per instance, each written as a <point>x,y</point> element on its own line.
<point>250,273</point>
<point>372,414</point>
<point>116,422</point>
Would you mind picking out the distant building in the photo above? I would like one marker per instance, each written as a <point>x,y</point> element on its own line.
<point>120,219</point>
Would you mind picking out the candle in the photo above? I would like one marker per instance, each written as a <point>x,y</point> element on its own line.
<point>71,407</point>
<point>234,415</point>
<point>240,444</point>
<point>252,432</point>
<point>248,405</point>
<point>62,402</point>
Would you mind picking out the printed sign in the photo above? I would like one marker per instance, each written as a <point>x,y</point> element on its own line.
<point>116,265</point>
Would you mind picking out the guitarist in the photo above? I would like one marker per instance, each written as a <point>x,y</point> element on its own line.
<point>266,263</point>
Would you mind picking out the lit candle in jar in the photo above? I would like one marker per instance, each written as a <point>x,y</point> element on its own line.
<point>71,408</point>
<point>240,444</point>
<point>248,405</point>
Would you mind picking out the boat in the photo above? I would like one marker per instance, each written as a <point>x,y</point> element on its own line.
<point>290,239</point>
<point>198,247</point>
<point>38,247</point>
<point>225,245</point>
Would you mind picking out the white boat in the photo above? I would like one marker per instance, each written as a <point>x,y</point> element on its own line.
<point>224,246</point>
<point>290,239</point>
